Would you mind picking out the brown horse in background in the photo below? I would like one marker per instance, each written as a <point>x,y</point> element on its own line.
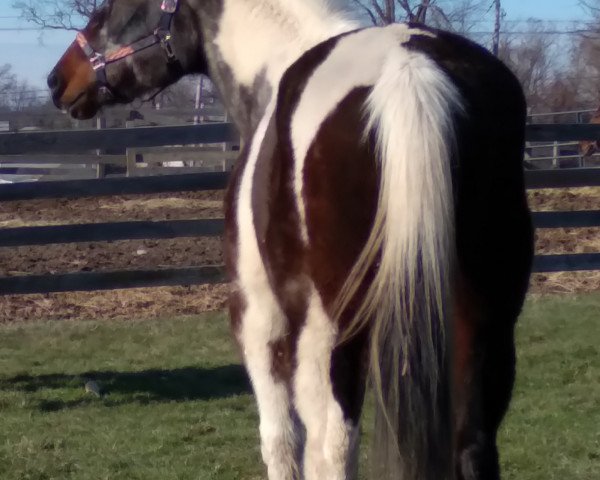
<point>588,147</point>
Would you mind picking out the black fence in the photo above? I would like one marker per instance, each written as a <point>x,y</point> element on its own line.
<point>77,141</point>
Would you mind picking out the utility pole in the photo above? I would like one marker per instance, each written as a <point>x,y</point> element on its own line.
<point>199,96</point>
<point>496,37</point>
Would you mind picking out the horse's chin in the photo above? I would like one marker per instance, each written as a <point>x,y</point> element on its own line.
<point>84,107</point>
<point>83,111</point>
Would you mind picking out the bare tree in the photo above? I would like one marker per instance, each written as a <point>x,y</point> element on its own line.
<point>532,58</point>
<point>591,6</point>
<point>57,14</point>
<point>384,12</point>
<point>431,12</point>
<point>15,94</point>
<point>7,79</point>
<point>584,66</point>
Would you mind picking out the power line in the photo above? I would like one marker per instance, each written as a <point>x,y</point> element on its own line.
<point>541,32</point>
<point>503,32</point>
<point>36,91</point>
<point>20,29</point>
<point>533,20</point>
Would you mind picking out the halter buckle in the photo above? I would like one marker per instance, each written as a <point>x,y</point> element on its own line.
<point>98,61</point>
<point>169,6</point>
<point>164,36</point>
<point>105,94</point>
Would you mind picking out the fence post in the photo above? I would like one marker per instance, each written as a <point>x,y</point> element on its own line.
<point>199,104</point>
<point>100,167</point>
<point>131,162</point>
<point>130,153</point>
<point>555,155</point>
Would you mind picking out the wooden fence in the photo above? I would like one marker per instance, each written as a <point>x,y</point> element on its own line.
<point>81,154</point>
<point>73,141</point>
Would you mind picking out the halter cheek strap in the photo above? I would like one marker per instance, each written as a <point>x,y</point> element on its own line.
<point>161,35</point>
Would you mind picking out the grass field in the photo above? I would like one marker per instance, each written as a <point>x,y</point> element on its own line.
<point>177,405</point>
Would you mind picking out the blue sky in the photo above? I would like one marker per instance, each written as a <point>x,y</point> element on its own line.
<point>544,9</point>
<point>33,55</point>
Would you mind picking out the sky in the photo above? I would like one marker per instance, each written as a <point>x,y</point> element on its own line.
<point>33,54</point>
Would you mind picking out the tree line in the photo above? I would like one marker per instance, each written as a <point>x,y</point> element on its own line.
<point>558,64</point>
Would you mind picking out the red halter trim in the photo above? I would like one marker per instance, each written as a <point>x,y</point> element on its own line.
<point>110,57</point>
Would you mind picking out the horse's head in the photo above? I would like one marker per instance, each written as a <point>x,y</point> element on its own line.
<point>130,48</point>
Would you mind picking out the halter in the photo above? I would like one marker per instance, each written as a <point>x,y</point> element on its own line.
<point>161,35</point>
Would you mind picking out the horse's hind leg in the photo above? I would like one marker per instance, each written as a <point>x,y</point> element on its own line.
<point>484,377</point>
<point>258,324</point>
<point>485,353</point>
<point>331,436</point>
<point>486,391</point>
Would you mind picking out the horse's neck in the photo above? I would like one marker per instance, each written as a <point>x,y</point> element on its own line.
<point>250,44</point>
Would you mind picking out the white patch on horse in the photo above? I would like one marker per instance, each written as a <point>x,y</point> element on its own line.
<point>263,322</point>
<point>330,440</point>
<point>332,81</point>
<point>257,36</point>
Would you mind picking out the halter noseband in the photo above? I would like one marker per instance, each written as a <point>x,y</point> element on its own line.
<point>161,35</point>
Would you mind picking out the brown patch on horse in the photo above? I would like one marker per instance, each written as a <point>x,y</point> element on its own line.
<point>75,68</point>
<point>276,226</point>
<point>276,218</point>
<point>283,362</point>
<point>341,183</point>
<point>340,192</point>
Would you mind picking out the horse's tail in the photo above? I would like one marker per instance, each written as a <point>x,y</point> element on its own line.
<point>409,259</point>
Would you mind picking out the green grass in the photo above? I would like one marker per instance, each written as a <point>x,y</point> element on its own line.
<point>553,428</point>
<point>177,404</point>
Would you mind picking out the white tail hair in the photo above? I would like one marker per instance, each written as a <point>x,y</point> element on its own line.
<point>409,256</point>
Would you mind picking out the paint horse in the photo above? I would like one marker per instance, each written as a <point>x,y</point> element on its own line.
<point>376,222</point>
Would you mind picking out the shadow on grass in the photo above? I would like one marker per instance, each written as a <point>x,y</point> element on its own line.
<point>146,386</point>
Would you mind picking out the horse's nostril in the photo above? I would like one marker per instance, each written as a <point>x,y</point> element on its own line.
<point>53,80</point>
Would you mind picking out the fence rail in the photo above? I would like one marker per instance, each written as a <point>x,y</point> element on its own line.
<point>88,281</point>
<point>113,186</point>
<point>584,177</point>
<point>54,143</point>
<point>109,232</point>
<point>75,141</point>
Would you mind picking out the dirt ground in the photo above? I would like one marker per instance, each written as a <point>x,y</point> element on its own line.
<point>168,301</point>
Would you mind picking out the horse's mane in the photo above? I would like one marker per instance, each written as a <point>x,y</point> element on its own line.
<point>332,13</point>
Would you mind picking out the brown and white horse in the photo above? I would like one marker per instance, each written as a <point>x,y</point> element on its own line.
<point>377,223</point>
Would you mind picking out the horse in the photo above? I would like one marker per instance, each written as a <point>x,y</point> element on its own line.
<point>588,147</point>
<point>377,229</point>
